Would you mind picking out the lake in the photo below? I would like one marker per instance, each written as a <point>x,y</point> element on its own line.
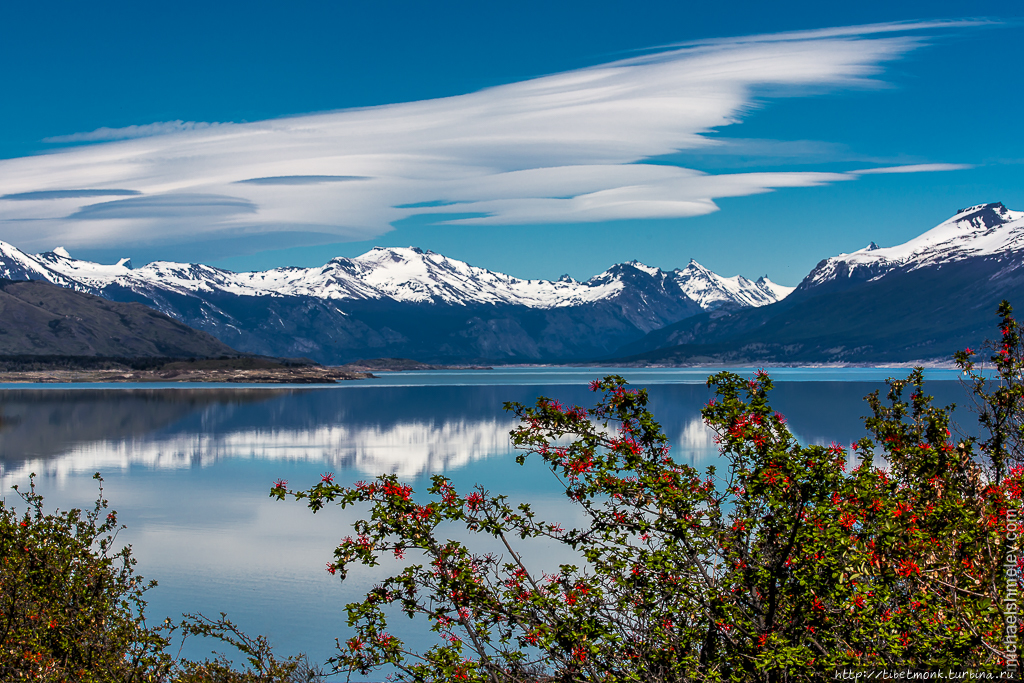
<point>189,468</point>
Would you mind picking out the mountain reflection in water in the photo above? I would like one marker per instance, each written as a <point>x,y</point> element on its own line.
<point>402,430</point>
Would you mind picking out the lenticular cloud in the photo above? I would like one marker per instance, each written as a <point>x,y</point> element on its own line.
<point>563,148</point>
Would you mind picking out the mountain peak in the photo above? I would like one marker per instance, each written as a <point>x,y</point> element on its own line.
<point>994,206</point>
<point>643,267</point>
<point>976,231</point>
<point>984,215</point>
<point>397,250</point>
<point>693,269</point>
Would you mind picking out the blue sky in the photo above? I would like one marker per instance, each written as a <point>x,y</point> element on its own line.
<point>948,94</point>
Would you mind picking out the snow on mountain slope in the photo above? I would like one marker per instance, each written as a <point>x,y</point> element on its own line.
<point>400,274</point>
<point>774,289</point>
<point>982,230</point>
<point>711,290</point>
<point>17,265</point>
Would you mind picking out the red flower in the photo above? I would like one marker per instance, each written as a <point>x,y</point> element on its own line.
<point>907,567</point>
<point>847,521</point>
<point>281,484</point>
<point>327,478</point>
<point>404,491</point>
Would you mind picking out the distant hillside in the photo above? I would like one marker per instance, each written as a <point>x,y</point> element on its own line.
<point>39,318</point>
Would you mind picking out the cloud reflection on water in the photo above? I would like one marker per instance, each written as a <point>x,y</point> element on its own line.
<point>406,449</point>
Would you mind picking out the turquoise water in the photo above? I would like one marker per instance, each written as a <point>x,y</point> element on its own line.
<point>505,376</point>
<point>189,468</point>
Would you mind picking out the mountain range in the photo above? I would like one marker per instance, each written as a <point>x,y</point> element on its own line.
<point>406,302</point>
<point>920,300</point>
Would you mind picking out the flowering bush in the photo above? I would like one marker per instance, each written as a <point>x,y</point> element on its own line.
<point>1001,410</point>
<point>784,563</point>
<point>71,606</point>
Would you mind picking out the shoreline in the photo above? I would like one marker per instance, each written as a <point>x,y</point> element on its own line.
<point>321,375</point>
<point>926,364</point>
<point>283,375</point>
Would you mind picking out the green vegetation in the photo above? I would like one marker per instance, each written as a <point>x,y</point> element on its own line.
<point>71,605</point>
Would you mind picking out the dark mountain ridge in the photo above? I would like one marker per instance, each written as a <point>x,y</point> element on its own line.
<point>39,318</point>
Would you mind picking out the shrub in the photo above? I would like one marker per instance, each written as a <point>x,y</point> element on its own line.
<point>72,609</point>
<point>779,565</point>
<point>71,606</point>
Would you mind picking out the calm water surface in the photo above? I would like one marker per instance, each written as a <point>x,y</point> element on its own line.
<point>189,469</point>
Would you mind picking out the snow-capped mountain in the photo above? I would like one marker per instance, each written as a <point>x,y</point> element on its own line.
<point>407,275</point>
<point>712,291</point>
<point>921,300</point>
<point>364,306</point>
<point>17,265</point>
<point>984,230</point>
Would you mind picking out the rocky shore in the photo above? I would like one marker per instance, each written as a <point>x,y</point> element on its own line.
<point>302,375</point>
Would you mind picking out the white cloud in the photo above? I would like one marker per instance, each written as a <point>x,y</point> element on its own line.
<point>562,148</point>
<point>129,132</point>
<point>844,31</point>
<point>913,168</point>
